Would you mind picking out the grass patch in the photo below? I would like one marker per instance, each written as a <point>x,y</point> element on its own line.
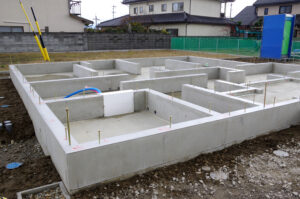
<point>24,58</point>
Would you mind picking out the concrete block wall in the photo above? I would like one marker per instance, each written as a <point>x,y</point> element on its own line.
<point>215,101</point>
<point>166,84</point>
<point>61,88</point>
<point>66,42</point>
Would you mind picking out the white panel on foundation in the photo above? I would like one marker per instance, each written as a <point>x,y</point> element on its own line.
<point>118,103</point>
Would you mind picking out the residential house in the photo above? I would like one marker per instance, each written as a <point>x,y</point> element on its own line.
<point>181,17</point>
<point>253,14</point>
<point>53,16</point>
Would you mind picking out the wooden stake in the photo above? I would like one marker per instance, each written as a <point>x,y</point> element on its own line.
<point>68,125</point>
<point>66,132</point>
<point>274,101</point>
<point>170,121</point>
<point>265,97</point>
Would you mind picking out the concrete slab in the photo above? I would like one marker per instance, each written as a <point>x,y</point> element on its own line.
<point>87,130</point>
<point>283,91</point>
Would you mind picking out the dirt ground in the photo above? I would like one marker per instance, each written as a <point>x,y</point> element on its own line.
<point>247,170</point>
<point>16,58</point>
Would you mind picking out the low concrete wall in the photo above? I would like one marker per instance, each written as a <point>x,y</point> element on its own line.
<point>232,75</point>
<point>82,71</point>
<point>215,101</point>
<point>147,150</point>
<point>166,84</point>
<point>130,67</point>
<point>102,64</point>
<point>171,64</point>
<point>165,107</point>
<point>46,68</point>
<point>214,62</point>
<point>155,61</point>
<point>285,68</point>
<point>254,69</point>
<point>61,88</point>
<point>212,72</point>
<point>223,86</point>
<point>295,74</point>
<point>81,108</point>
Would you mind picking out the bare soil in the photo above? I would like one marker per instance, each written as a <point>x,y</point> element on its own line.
<point>246,170</point>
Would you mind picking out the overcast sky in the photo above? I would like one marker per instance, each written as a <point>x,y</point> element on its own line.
<point>103,8</point>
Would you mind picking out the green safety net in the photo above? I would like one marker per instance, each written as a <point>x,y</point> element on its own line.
<point>229,45</point>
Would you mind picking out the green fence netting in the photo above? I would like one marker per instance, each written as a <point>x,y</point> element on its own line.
<point>230,45</point>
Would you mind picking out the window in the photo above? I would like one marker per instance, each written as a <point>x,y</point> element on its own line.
<point>11,29</point>
<point>151,8</point>
<point>266,11</point>
<point>163,7</point>
<point>141,10</point>
<point>285,9</point>
<point>135,10</point>
<point>177,7</point>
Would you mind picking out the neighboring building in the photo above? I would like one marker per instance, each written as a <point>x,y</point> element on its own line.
<point>181,17</point>
<point>53,16</point>
<point>252,14</point>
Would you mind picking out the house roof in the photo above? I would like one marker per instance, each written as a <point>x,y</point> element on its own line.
<point>247,16</point>
<point>83,20</point>
<point>170,18</point>
<point>139,1</point>
<point>271,2</point>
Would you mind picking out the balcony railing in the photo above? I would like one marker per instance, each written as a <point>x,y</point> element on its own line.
<point>75,7</point>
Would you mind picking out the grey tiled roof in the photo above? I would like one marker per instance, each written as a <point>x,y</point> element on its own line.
<point>247,16</point>
<point>171,18</point>
<point>269,2</point>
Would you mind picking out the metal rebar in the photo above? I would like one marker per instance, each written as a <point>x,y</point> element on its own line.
<point>265,97</point>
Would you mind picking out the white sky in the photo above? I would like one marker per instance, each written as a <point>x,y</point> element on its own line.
<point>103,8</point>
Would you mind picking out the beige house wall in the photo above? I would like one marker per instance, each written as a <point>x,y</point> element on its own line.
<point>210,8</point>
<point>51,13</point>
<point>196,29</point>
<point>274,10</point>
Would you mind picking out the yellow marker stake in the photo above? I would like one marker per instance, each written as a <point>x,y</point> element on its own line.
<point>35,36</point>
<point>41,38</point>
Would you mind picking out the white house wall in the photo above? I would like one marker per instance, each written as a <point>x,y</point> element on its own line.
<point>209,8</point>
<point>51,13</point>
<point>196,29</point>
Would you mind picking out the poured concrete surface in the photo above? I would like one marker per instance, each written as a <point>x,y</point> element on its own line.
<point>51,76</point>
<point>87,130</point>
<point>256,78</point>
<point>282,91</point>
<point>105,72</point>
<point>175,94</point>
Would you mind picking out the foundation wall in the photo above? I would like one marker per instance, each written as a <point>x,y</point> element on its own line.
<point>82,71</point>
<point>215,101</point>
<point>165,107</point>
<point>254,69</point>
<point>61,88</point>
<point>285,68</point>
<point>102,64</point>
<point>130,67</point>
<point>212,72</point>
<point>80,108</point>
<point>166,84</point>
<point>48,129</point>
<point>223,86</point>
<point>155,148</point>
<point>46,68</point>
<point>155,61</point>
<point>171,64</point>
<point>214,62</point>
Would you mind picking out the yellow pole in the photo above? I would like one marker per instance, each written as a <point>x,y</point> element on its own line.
<point>41,37</point>
<point>35,36</point>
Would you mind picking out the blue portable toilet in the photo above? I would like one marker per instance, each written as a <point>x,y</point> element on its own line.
<point>277,36</point>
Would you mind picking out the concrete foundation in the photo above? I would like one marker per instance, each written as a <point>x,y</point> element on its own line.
<point>142,129</point>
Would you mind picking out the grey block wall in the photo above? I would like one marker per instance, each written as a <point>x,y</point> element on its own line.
<point>65,42</point>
